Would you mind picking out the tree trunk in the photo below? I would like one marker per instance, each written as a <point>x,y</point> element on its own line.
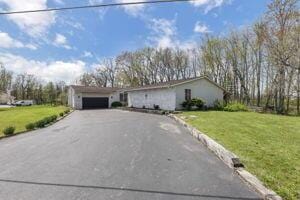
<point>258,77</point>
<point>281,92</point>
<point>290,81</point>
<point>298,92</point>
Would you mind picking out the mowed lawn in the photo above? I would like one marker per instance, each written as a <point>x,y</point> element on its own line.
<point>20,116</point>
<point>268,145</point>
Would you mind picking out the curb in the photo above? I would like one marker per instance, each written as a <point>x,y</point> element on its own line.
<point>141,110</point>
<point>26,131</point>
<point>231,160</point>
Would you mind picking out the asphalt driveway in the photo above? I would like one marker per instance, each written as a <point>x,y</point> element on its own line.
<point>112,154</point>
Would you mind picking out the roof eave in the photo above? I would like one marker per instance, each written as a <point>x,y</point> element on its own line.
<point>148,88</point>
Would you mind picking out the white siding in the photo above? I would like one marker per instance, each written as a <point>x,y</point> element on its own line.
<point>199,89</point>
<point>165,98</point>
<point>71,97</point>
<point>75,99</point>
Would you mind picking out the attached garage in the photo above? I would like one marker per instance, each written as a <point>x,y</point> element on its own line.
<point>95,102</point>
<point>83,97</point>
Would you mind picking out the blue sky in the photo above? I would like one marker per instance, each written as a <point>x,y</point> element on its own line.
<point>61,45</point>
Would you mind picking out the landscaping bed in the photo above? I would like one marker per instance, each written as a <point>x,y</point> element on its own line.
<point>22,118</point>
<point>267,144</point>
<point>146,110</point>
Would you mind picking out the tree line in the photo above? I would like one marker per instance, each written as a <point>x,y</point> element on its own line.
<point>27,86</point>
<point>258,65</point>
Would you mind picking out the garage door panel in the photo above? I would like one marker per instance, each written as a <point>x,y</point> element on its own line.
<point>94,102</point>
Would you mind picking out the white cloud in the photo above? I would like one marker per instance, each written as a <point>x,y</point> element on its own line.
<point>76,25</point>
<point>133,10</point>
<point>61,41</point>
<point>48,71</point>
<point>201,28</point>
<point>164,35</point>
<point>87,54</point>
<point>163,32</point>
<point>34,24</point>
<point>8,42</point>
<point>209,4</point>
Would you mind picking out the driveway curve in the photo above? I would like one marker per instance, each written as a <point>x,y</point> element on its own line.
<point>113,154</point>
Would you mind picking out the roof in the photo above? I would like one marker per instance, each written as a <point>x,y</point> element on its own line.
<point>172,83</point>
<point>93,89</point>
<point>108,90</point>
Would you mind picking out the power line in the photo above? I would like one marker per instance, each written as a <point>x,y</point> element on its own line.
<point>93,6</point>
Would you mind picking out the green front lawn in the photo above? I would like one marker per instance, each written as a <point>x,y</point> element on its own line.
<point>20,116</point>
<point>268,145</point>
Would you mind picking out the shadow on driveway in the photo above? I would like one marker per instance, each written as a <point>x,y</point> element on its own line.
<point>124,189</point>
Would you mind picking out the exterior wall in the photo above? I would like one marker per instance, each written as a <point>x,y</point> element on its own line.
<point>165,98</point>
<point>71,97</point>
<point>199,89</point>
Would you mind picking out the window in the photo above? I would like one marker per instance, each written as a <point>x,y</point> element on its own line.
<point>187,94</point>
<point>125,97</point>
<point>121,97</point>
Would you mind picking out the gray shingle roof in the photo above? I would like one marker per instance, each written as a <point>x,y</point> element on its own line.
<point>93,89</point>
<point>108,90</point>
<point>171,83</point>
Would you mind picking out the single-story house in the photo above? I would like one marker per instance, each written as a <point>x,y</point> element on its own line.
<point>166,95</point>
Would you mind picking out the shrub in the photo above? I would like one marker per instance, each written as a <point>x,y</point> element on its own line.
<point>218,105</point>
<point>9,130</point>
<point>187,105</point>
<point>61,114</point>
<point>30,126</point>
<point>48,120</point>
<point>199,103</point>
<point>116,104</point>
<point>235,107</point>
<point>41,123</point>
<point>156,107</point>
<point>67,111</point>
<point>54,117</point>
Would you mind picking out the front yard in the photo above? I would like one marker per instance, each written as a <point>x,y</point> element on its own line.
<point>20,116</point>
<point>268,145</point>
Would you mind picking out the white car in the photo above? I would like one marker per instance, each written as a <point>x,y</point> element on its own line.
<point>24,103</point>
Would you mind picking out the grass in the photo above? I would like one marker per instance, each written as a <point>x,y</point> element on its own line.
<point>268,145</point>
<point>20,116</point>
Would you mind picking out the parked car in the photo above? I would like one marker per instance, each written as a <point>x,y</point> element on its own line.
<point>24,103</point>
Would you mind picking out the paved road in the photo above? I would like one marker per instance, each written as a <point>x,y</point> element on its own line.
<point>112,154</point>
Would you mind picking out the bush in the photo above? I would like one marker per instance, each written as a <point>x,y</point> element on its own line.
<point>30,126</point>
<point>54,117</point>
<point>187,105</point>
<point>61,114</point>
<point>199,103</point>
<point>9,130</point>
<point>116,104</point>
<point>67,111</point>
<point>41,123</point>
<point>218,105</point>
<point>48,120</point>
<point>156,107</point>
<point>235,107</point>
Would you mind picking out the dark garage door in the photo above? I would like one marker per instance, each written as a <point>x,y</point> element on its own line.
<point>94,102</point>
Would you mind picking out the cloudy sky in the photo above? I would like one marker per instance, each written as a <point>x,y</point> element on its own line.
<point>62,45</point>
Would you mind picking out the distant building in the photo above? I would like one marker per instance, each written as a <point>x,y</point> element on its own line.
<point>6,98</point>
